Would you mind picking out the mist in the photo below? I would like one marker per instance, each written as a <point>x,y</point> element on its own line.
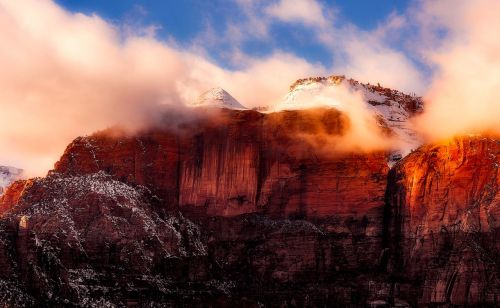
<point>464,47</point>
<point>363,133</point>
<point>64,75</point>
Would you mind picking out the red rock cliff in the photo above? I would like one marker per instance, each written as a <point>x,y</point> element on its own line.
<point>244,162</point>
<point>445,219</point>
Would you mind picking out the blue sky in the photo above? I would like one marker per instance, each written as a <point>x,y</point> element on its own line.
<point>188,21</point>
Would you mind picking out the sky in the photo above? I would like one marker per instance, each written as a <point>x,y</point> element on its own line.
<point>186,21</point>
<point>70,68</point>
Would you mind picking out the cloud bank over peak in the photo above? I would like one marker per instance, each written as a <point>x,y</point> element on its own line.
<point>66,74</point>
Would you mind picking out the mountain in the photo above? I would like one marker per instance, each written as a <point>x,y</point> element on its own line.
<point>391,107</point>
<point>218,98</point>
<point>238,208</point>
<point>8,175</point>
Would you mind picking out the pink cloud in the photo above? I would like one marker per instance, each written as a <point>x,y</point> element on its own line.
<point>65,75</point>
<point>464,96</point>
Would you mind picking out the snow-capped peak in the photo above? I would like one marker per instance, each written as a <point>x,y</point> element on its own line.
<point>9,175</point>
<point>392,107</point>
<point>219,98</point>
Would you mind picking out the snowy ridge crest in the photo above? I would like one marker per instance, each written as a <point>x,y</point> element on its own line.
<point>218,98</point>
<point>392,108</point>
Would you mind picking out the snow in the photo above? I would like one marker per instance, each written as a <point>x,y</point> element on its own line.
<point>133,215</point>
<point>218,98</point>
<point>302,91</point>
<point>9,175</point>
<point>385,104</point>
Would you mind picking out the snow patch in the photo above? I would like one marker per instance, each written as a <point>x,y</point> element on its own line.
<point>218,98</point>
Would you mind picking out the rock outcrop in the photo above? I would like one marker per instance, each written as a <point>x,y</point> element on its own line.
<point>90,240</point>
<point>444,215</point>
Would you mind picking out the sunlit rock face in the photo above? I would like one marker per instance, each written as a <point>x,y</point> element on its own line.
<point>444,218</point>
<point>13,194</point>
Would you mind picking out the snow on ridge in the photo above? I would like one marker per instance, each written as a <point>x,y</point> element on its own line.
<point>218,98</point>
<point>374,95</point>
<point>393,107</point>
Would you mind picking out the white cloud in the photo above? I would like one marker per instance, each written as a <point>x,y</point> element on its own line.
<point>307,12</point>
<point>364,55</point>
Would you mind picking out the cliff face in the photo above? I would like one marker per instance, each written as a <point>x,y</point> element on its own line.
<point>249,163</point>
<point>252,209</point>
<point>244,162</point>
<point>13,195</point>
<point>445,220</point>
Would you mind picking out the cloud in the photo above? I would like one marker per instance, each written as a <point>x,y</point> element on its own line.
<point>363,134</point>
<point>366,55</point>
<point>307,12</point>
<point>464,48</point>
<point>65,75</point>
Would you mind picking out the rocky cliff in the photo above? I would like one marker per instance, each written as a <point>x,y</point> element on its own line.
<point>444,213</point>
<point>254,209</point>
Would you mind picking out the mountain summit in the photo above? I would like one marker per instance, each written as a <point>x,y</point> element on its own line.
<point>219,98</point>
<point>392,108</point>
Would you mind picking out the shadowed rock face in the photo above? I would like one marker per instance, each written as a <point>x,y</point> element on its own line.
<point>251,209</point>
<point>91,240</point>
